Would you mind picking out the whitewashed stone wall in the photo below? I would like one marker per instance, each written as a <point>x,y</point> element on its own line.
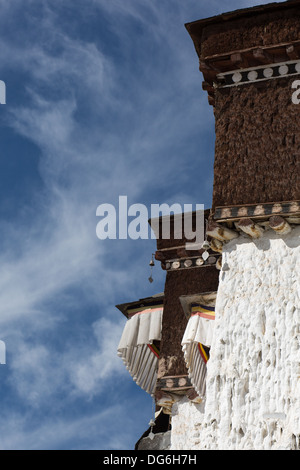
<point>253,377</point>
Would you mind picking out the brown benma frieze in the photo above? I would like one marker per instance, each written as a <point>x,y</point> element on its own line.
<point>250,60</point>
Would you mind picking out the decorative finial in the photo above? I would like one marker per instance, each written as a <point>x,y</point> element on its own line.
<point>151,264</point>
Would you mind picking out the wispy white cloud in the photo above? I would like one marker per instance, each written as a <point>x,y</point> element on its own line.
<point>18,432</point>
<point>40,372</point>
<point>107,120</point>
<point>90,369</point>
<point>100,135</point>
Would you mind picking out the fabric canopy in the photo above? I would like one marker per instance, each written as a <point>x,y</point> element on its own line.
<point>138,345</point>
<point>196,343</point>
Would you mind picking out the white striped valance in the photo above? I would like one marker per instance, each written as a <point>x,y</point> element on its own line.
<point>138,346</point>
<point>196,343</point>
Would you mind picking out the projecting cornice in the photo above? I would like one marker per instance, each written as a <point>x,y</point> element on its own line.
<point>249,66</point>
<point>227,45</point>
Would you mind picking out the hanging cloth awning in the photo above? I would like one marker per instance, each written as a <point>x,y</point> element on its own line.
<point>139,344</point>
<point>197,340</point>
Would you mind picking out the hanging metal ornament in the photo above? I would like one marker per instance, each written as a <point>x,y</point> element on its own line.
<point>152,421</point>
<point>151,433</point>
<point>205,246</point>
<point>151,264</point>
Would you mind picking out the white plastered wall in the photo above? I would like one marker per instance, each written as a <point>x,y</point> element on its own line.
<point>253,377</point>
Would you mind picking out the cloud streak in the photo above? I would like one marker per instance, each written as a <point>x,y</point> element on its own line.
<point>109,94</point>
<point>105,123</point>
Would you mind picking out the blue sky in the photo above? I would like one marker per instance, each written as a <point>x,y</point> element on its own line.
<point>104,99</point>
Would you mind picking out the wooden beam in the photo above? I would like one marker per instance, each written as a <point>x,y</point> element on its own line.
<point>279,225</point>
<point>293,220</point>
<point>219,264</point>
<point>239,60</point>
<point>211,100</point>
<point>219,232</point>
<point>292,52</point>
<point>250,228</point>
<point>160,256</point>
<point>165,401</point>
<point>249,50</point>
<point>208,87</point>
<point>216,245</point>
<point>163,266</point>
<point>204,65</point>
<point>182,253</point>
<point>262,56</point>
<point>208,75</point>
